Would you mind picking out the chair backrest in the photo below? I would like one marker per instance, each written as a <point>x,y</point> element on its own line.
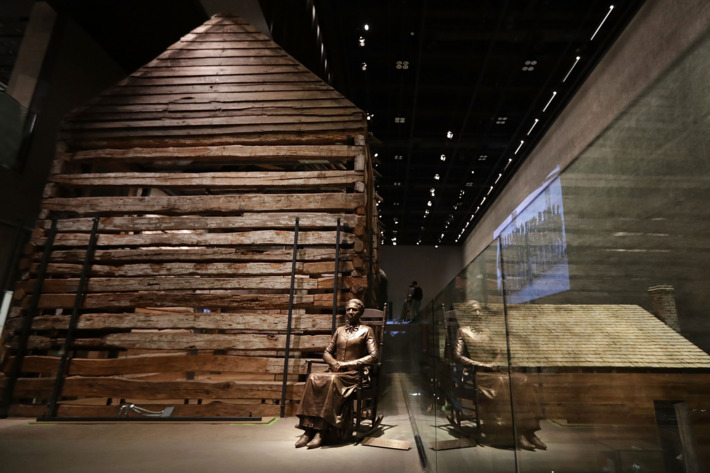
<point>375,318</point>
<point>451,325</point>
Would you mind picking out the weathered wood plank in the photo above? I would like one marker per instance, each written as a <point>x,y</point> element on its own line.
<point>196,111</point>
<point>171,283</point>
<point>187,320</point>
<point>321,138</point>
<point>255,238</point>
<point>226,153</point>
<point>127,388</point>
<point>233,61</point>
<point>337,202</point>
<point>132,89</point>
<point>214,299</point>
<point>257,99</point>
<point>116,256</point>
<point>251,221</point>
<point>232,121</point>
<point>158,132</point>
<point>162,363</point>
<point>254,43</point>
<point>214,180</point>
<point>183,340</point>
<point>195,269</point>
<point>107,112</point>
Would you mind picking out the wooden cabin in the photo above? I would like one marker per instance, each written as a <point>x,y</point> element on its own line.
<point>192,207</point>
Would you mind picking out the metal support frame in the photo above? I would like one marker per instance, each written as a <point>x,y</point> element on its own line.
<point>290,319</point>
<point>335,278</point>
<point>73,322</point>
<point>16,368</point>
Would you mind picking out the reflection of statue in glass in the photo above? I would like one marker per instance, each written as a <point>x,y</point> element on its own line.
<point>493,385</point>
<point>325,403</point>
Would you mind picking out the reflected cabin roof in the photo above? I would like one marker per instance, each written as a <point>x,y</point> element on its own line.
<point>593,336</point>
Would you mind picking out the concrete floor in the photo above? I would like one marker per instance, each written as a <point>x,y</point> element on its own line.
<point>27,446</point>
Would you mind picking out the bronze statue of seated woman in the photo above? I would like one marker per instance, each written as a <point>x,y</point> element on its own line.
<point>325,405</point>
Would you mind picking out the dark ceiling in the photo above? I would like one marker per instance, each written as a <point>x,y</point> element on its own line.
<point>491,74</point>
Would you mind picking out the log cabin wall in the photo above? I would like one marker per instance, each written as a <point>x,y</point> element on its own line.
<point>195,169</point>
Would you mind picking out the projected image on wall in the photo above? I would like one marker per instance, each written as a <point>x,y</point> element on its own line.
<point>534,247</point>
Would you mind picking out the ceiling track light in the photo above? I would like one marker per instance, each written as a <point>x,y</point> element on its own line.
<point>533,126</point>
<point>570,69</point>
<point>519,146</point>
<point>611,7</point>
<point>554,92</point>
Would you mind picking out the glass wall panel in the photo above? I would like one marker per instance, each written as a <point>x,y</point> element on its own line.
<point>472,413</point>
<point>592,333</point>
<point>606,284</point>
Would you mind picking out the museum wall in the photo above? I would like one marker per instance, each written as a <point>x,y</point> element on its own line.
<point>654,39</point>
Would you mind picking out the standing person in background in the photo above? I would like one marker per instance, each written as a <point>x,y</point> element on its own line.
<point>414,299</point>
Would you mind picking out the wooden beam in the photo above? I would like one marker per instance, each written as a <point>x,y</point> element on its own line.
<point>183,340</point>
<point>127,388</point>
<point>162,363</point>
<point>186,320</point>
<point>255,238</point>
<point>199,204</point>
<point>214,180</point>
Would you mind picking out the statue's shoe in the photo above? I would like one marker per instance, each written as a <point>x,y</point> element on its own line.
<point>303,440</point>
<point>316,441</point>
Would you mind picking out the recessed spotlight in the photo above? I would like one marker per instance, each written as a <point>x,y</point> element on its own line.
<point>428,204</point>
<point>442,157</point>
<point>361,41</point>
<point>432,191</point>
<point>366,27</point>
<point>399,119</point>
<point>483,157</point>
<point>398,157</point>
<point>449,134</point>
<point>363,66</point>
<point>436,177</point>
<point>397,184</point>
<point>469,184</point>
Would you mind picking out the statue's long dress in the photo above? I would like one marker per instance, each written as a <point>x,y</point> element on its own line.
<point>494,387</point>
<point>325,394</point>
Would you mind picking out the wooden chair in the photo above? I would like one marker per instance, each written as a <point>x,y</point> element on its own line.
<point>368,391</point>
<point>461,390</point>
